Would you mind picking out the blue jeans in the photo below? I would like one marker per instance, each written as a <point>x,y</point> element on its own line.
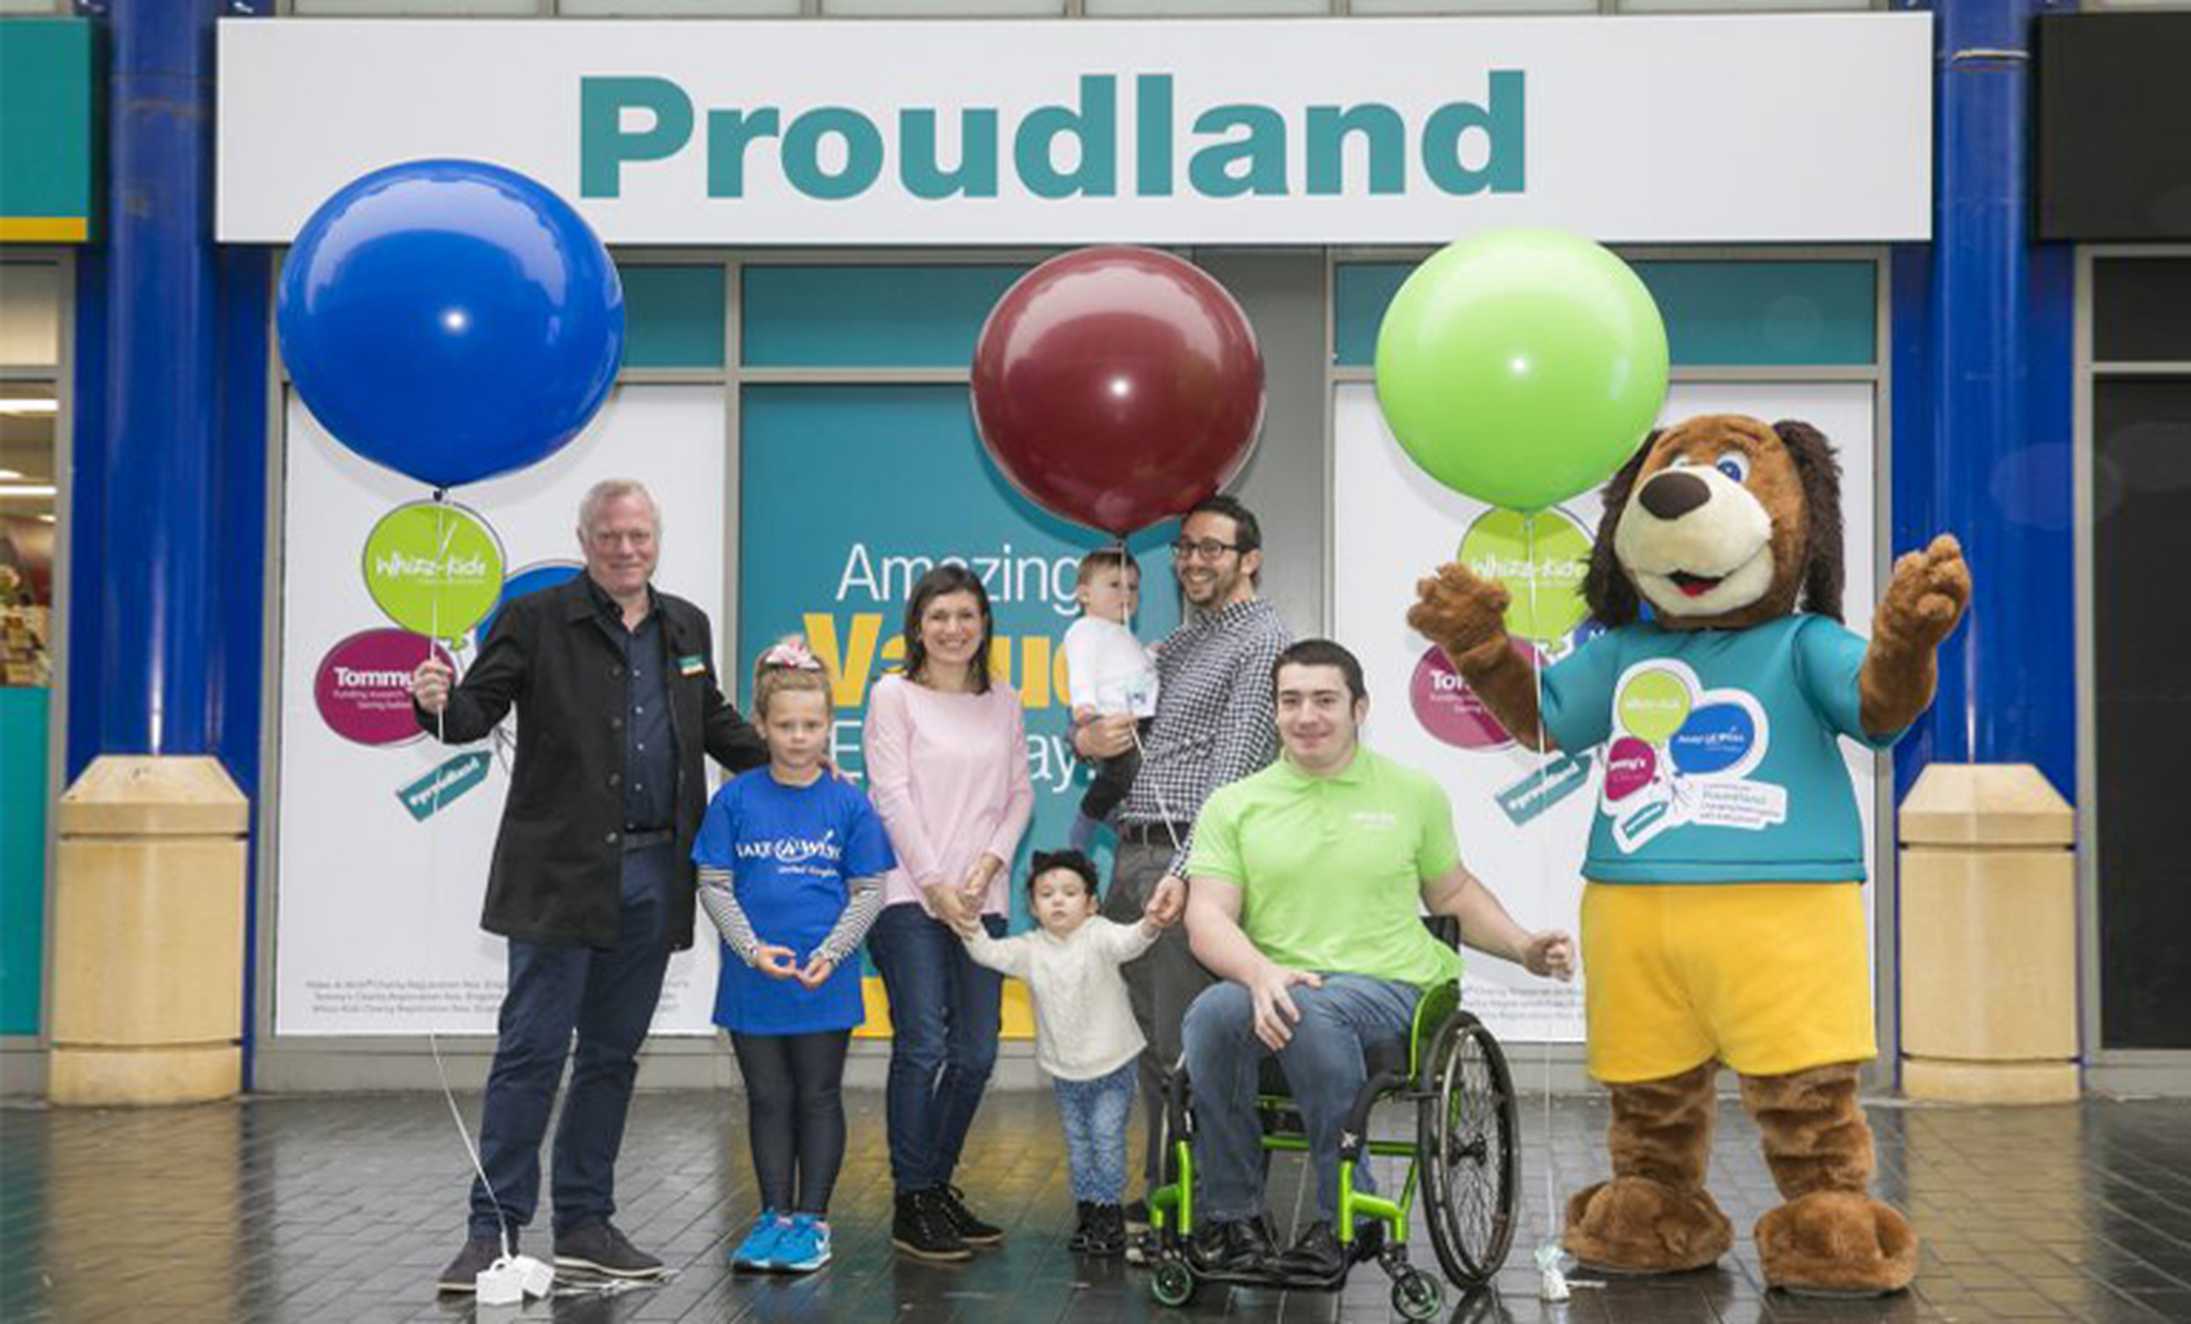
<point>1324,1069</point>
<point>1094,1114</point>
<point>944,1015</point>
<point>605,994</point>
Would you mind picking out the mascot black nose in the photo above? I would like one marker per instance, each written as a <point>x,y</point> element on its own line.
<point>1673,494</point>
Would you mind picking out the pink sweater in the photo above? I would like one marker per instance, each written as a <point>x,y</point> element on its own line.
<point>948,774</point>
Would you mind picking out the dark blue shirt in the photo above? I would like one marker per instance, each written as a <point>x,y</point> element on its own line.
<point>650,742</point>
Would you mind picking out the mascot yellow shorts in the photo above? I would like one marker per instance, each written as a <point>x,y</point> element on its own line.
<point>1766,977</point>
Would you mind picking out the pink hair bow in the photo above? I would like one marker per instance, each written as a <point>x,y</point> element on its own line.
<point>791,653</point>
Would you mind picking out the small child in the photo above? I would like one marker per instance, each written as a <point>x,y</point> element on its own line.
<point>791,862</point>
<point>1085,1036</point>
<point>1107,671</point>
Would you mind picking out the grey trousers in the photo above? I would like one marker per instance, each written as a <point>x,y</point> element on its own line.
<point>1161,984</point>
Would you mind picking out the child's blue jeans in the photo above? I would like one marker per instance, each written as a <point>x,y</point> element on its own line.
<point>1094,1112</point>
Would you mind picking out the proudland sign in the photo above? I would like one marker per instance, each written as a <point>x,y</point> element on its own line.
<point>1244,151</point>
<point>1247,131</point>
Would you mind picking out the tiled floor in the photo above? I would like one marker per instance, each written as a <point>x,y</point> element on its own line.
<point>315,1208</point>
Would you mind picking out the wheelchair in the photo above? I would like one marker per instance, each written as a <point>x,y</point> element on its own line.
<point>1464,1161</point>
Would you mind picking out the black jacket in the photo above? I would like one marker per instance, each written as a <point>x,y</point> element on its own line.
<point>558,859</point>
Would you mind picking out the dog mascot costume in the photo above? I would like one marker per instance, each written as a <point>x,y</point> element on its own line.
<point>1722,918</point>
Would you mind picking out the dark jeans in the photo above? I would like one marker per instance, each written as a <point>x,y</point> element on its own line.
<point>944,1015</point>
<point>1161,984</point>
<point>605,994</point>
<point>794,1115</point>
<point>1324,1067</point>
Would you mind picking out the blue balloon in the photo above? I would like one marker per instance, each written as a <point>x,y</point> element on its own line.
<point>531,579</point>
<point>452,320</point>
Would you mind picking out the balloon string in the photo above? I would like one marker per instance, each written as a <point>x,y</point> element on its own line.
<point>441,734</point>
<point>1544,854</point>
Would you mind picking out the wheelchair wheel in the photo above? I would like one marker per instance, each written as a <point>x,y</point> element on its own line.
<point>1416,1295</point>
<point>1467,1141</point>
<point>1172,1282</point>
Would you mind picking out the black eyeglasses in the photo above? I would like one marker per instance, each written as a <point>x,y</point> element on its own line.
<point>1204,549</point>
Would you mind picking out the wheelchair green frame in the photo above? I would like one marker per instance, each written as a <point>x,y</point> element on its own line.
<point>1439,1025</point>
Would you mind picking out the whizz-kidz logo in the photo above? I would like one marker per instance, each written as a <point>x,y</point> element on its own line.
<point>398,564</point>
<point>833,153</point>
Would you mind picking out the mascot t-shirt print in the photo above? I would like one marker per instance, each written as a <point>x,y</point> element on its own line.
<point>1709,736</point>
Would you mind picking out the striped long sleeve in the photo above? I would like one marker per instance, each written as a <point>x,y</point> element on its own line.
<point>861,906</point>
<point>721,904</point>
<point>860,909</point>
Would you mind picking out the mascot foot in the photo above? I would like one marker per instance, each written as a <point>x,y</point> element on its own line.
<point>1837,1243</point>
<point>1633,1225</point>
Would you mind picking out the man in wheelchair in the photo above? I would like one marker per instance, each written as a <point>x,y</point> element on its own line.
<point>1305,883</point>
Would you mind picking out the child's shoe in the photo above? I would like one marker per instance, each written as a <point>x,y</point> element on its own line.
<point>1106,1230</point>
<point>758,1250</point>
<point>1079,1240</point>
<point>804,1246</point>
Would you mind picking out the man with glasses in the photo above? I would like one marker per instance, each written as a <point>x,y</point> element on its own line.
<point>1213,726</point>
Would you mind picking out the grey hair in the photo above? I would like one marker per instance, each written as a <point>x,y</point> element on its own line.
<point>609,489</point>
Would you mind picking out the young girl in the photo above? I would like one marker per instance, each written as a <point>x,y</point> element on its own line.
<point>1085,1035</point>
<point>791,863</point>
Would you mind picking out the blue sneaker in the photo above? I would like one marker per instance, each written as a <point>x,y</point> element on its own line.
<point>758,1250</point>
<point>804,1246</point>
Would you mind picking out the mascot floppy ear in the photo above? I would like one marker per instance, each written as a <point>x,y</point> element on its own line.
<point>1821,474</point>
<point>1606,589</point>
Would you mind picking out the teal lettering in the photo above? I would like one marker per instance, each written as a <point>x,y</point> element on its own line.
<point>1153,135</point>
<point>1379,125</point>
<point>1502,125</point>
<point>862,156</point>
<point>1094,126</point>
<point>604,147</point>
<point>976,176</point>
<point>1263,152</point>
<point>728,133</point>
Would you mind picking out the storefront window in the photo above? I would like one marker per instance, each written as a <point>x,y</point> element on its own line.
<point>30,376</point>
<point>26,532</point>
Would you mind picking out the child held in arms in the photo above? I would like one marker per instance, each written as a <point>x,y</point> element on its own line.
<point>1108,671</point>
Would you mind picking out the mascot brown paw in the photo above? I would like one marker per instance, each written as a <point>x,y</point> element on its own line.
<point>1837,1243</point>
<point>1458,611</point>
<point>1637,1225</point>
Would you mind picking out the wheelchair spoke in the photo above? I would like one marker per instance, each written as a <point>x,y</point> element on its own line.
<point>1468,1145</point>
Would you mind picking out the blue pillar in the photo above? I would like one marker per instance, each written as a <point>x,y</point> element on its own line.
<point>168,445</point>
<point>144,624</point>
<point>1982,442</point>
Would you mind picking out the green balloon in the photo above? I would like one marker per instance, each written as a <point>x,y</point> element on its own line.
<point>1521,367</point>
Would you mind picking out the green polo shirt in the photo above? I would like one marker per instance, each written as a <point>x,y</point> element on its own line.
<point>1331,869</point>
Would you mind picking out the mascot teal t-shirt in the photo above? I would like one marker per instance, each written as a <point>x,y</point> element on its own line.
<point>1712,738</point>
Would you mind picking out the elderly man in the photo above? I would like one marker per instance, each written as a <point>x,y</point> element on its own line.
<point>1305,883</point>
<point>592,880</point>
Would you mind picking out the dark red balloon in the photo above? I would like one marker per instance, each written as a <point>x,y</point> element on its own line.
<point>1118,386</point>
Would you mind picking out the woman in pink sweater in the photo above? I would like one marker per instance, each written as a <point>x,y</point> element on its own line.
<point>947,768</point>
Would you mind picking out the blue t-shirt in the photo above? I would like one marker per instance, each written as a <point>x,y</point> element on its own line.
<point>1722,755</point>
<point>789,850</point>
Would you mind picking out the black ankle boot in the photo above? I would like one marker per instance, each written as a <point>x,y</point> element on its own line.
<point>923,1230</point>
<point>1082,1225</point>
<point>1106,1230</point>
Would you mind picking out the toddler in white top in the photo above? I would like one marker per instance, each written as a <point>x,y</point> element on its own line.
<point>1108,671</point>
<point>1085,1036</point>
